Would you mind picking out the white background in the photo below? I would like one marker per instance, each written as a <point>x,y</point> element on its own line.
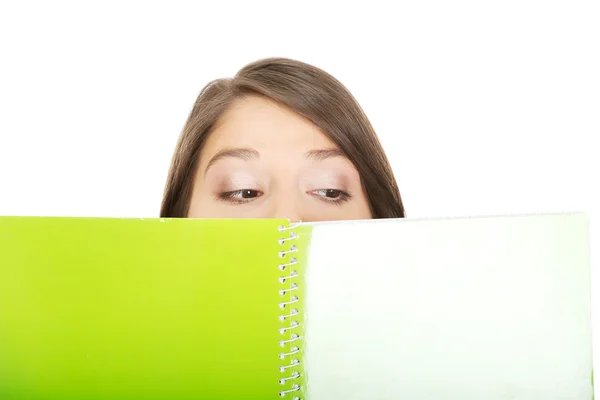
<point>483,107</point>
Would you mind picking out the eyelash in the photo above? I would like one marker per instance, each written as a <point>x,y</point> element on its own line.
<point>230,196</point>
<point>344,197</point>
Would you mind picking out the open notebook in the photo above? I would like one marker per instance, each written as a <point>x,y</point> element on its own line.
<point>462,308</point>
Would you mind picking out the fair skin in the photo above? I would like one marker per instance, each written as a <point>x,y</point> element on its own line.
<point>262,160</point>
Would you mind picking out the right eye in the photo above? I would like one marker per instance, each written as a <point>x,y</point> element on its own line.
<point>240,196</point>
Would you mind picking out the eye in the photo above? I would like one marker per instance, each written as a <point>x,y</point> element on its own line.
<point>329,193</point>
<point>240,196</point>
<point>335,196</point>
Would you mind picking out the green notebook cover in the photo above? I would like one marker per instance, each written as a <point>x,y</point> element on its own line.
<point>94,308</point>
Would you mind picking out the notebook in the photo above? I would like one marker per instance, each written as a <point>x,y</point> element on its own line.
<point>457,308</point>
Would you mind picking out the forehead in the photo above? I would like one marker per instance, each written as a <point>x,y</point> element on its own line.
<point>258,122</point>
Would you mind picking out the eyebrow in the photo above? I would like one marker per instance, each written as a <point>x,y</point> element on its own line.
<point>248,154</point>
<point>245,154</point>
<point>323,154</point>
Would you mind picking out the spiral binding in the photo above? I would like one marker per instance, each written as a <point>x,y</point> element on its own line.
<point>290,355</point>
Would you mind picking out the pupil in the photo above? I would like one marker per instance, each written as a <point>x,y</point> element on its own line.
<point>247,194</point>
<point>331,193</point>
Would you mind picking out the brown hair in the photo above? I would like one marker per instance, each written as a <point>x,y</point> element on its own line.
<point>311,93</point>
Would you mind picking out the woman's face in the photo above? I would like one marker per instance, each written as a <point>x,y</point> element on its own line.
<point>264,161</point>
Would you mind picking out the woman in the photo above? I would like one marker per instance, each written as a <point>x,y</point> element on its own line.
<point>282,139</point>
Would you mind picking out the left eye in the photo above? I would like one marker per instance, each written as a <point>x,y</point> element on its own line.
<point>329,193</point>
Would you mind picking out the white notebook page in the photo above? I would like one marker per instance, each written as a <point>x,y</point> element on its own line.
<point>472,308</point>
